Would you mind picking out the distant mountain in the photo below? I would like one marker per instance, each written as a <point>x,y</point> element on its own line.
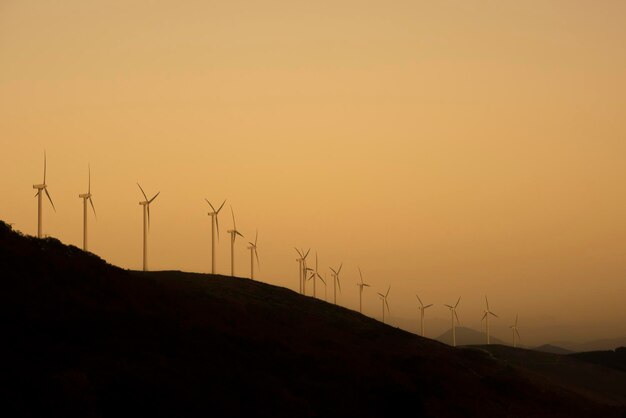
<point>594,345</point>
<point>467,336</point>
<point>547,348</point>
<point>82,338</point>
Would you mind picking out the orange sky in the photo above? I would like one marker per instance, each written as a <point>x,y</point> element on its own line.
<point>448,148</point>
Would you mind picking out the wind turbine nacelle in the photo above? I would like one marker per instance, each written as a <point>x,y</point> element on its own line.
<point>39,186</point>
<point>85,195</point>
<point>143,203</point>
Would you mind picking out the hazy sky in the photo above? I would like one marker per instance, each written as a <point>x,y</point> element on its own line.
<point>448,148</point>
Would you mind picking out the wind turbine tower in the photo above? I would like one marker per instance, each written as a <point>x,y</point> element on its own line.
<point>42,187</point>
<point>146,224</point>
<point>233,235</point>
<point>361,285</point>
<point>486,318</point>
<point>335,274</point>
<point>454,314</point>
<point>515,332</point>
<point>315,275</point>
<point>215,226</point>
<point>422,308</point>
<point>253,252</point>
<point>87,197</point>
<point>383,298</point>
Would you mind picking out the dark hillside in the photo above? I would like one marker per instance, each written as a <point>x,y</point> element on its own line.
<point>84,338</point>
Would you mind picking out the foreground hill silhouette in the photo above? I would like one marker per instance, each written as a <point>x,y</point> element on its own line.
<point>84,338</point>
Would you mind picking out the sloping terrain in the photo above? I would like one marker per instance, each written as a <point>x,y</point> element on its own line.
<point>582,375</point>
<point>467,336</point>
<point>84,338</point>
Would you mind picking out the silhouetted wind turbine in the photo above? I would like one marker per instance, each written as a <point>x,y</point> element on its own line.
<point>39,188</point>
<point>335,274</point>
<point>361,286</point>
<point>315,275</point>
<point>422,308</point>
<point>253,252</point>
<point>383,298</point>
<point>146,224</point>
<point>86,197</point>
<point>214,226</point>
<point>453,313</point>
<point>515,331</point>
<point>233,234</point>
<point>486,317</point>
<point>302,266</point>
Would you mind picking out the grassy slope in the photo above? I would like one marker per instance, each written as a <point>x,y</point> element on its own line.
<point>83,338</point>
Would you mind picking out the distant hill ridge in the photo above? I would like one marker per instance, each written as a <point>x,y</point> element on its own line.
<point>83,338</point>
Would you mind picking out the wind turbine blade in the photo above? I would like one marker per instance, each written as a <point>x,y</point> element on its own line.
<point>457,302</point>
<point>381,295</point>
<point>298,251</point>
<point>333,270</point>
<point>142,192</point>
<point>448,306</point>
<point>320,277</point>
<point>493,314</point>
<point>340,266</point>
<point>316,268</point>
<point>483,318</point>
<point>387,304</point>
<point>360,274</point>
<point>44,167</point>
<point>388,289</point>
<point>307,253</point>
<point>155,196</point>
<point>516,317</point>
<point>217,225</point>
<point>238,233</point>
<point>366,285</point>
<point>256,237</point>
<point>49,198</point>
<point>418,298</point>
<point>258,263</point>
<point>487,302</point>
<point>457,318</point>
<point>148,211</point>
<point>517,332</point>
<point>221,206</point>
<point>89,188</point>
<point>233,214</point>
<point>338,283</point>
<point>92,207</point>
<point>427,306</point>
<point>212,208</point>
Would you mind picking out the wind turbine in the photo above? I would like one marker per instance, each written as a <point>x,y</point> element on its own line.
<point>486,317</point>
<point>315,275</point>
<point>86,197</point>
<point>515,331</point>
<point>233,234</point>
<point>253,252</point>
<point>146,224</point>
<point>300,261</point>
<point>302,266</point>
<point>215,225</point>
<point>422,308</point>
<point>335,274</point>
<point>453,312</point>
<point>39,188</point>
<point>383,298</point>
<point>361,286</point>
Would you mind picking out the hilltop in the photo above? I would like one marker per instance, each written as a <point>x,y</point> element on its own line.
<point>84,338</point>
